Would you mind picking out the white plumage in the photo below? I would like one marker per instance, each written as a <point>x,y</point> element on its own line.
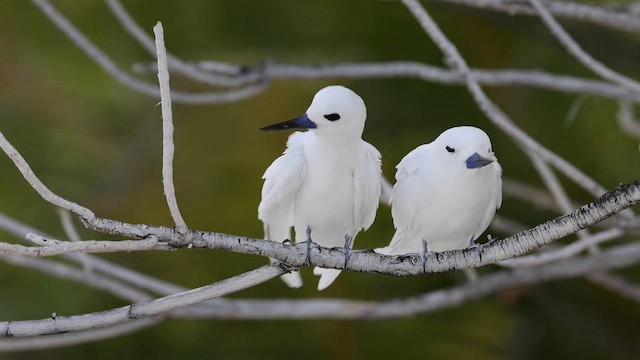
<point>327,180</point>
<point>446,193</point>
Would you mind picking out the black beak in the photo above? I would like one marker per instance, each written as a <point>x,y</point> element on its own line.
<point>476,161</point>
<point>301,122</point>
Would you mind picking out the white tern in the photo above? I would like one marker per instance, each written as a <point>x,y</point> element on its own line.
<point>446,193</point>
<point>327,183</point>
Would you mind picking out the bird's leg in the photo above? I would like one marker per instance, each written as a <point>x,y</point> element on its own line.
<point>425,252</point>
<point>347,248</point>
<point>476,246</point>
<point>309,242</point>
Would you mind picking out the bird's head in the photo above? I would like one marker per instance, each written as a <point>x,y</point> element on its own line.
<point>464,147</point>
<point>334,111</point>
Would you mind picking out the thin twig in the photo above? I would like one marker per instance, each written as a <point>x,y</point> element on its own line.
<point>564,252</point>
<point>119,272</point>
<point>75,338</point>
<point>88,246</point>
<point>578,53</point>
<point>124,314</point>
<point>167,131</point>
<point>73,235</point>
<point>613,17</point>
<point>37,185</point>
<point>192,72</point>
<point>417,70</point>
<point>367,261</point>
<point>411,306</point>
<point>106,64</point>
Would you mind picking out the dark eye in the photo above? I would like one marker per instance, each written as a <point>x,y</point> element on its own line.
<point>332,117</point>
<point>450,149</point>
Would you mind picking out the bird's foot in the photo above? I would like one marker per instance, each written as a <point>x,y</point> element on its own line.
<point>425,252</point>
<point>347,248</point>
<point>477,247</point>
<point>309,243</point>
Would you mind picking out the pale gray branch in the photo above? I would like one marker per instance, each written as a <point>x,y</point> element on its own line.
<point>618,17</point>
<point>37,185</point>
<point>168,147</point>
<point>417,70</point>
<point>106,64</point>
<point>75,338</point>
<point>52,247</point>
<point>618,257</point>
<point>121,273</point>
<point>578,53</point>
<point>565,252</point>
<point>192,72</point>
<point>367,261</point>
<point>61,324</point>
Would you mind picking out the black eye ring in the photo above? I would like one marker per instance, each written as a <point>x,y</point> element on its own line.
<point>449,149</point>
<point>332,117</point>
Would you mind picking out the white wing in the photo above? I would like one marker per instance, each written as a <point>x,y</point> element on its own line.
<point>282,180</point>
<point>367,187</point>
<point>403,198</point>
<point>411,164</point>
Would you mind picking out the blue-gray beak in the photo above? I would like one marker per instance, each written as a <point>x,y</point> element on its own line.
<point>476,161</point>
<point>301,122</point>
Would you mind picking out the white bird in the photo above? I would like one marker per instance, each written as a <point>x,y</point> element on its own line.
<point>327,181</point>
<point>446,193</point>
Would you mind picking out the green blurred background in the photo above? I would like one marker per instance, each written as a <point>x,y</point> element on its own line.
<point>99,144</point>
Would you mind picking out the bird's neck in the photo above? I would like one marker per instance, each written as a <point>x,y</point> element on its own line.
<point>328,147</point>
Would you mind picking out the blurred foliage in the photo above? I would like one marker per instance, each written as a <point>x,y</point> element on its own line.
<point>99,144</point>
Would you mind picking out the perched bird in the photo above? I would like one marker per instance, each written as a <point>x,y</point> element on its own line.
<point>327,183</point>
<point>446,193</point>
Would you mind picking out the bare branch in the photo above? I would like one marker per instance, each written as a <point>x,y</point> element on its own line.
<point>578,53</point>
<point>72,234</point>
<point>618,17</point>
<point>121,273</point>
<point>102,60</point>
<point>167,131</point>
<point>81,337</point>
<point>406,307</point>
<point>367,261</point>
<point>565,252</point>
<point>410,69</point>
<point>37,185</point>
<point>58,247</point>
<point>123,314</point>
<point>174,62</point>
